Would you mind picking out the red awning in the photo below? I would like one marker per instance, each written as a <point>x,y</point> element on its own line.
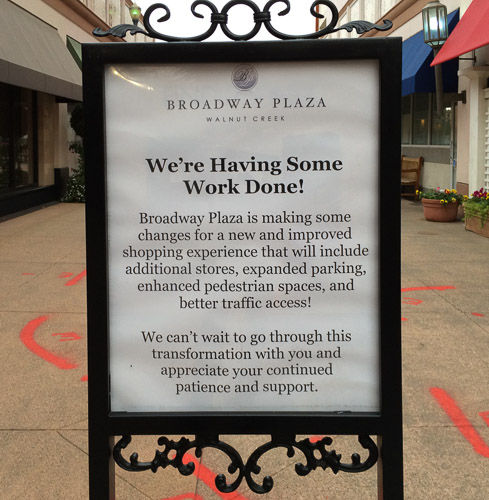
<point>471,32</point>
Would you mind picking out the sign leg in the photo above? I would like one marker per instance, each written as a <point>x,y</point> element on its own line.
<point>390,484</point>
<point>102,469</point>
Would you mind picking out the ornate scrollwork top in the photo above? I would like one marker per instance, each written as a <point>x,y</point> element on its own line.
<point>220,18</point>
<point>315,454</point>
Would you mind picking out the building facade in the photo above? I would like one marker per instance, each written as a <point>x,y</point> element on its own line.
<point>453,141</point>
<point>40,83</point>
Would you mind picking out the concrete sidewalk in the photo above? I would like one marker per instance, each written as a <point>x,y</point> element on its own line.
<point>43,422</point>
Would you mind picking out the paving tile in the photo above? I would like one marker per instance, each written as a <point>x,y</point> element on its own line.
<point>41,465</point>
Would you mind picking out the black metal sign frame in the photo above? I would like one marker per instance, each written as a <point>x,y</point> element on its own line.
<point>282,426</point>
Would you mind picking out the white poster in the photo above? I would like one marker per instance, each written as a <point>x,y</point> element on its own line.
<point>243,236</point>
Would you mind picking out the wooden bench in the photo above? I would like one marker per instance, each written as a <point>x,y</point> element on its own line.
<point>410,175</point>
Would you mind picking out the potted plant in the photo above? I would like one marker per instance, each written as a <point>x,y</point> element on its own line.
<point>440,205</point>
<point>476,210</point>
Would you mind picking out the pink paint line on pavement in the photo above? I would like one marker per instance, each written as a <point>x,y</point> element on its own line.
<point>422,288</point>
<point>412,302</point>
<point>485,416</point>
<point>208,478</point>
<point>460,421</point>
<point>76,279</point>
<point>27,337</point>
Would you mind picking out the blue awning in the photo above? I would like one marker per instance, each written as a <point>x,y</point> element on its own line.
<point>417,75</point>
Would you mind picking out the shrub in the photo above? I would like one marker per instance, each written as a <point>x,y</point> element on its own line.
<point>75,189</point>
<point>477,205</point>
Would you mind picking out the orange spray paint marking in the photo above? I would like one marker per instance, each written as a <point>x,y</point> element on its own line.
<point>84,378</point>
<point>415,302</point>
<point>478,315</point>
<point>460,421</point>
<point>485,416</point>
<point>422,288</point>
<point>412,302</point>
<point>67,336</point>
<point>27,337</point>
<point>208,478</point>
<point>76,279</point>
<point>315,439</point>
<point>65,275</point>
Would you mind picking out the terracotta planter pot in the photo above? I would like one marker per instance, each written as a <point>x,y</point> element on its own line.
<point>475,225</point>
<point>436,212</point>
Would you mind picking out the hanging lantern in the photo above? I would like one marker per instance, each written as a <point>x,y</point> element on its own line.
<point>435,24</point>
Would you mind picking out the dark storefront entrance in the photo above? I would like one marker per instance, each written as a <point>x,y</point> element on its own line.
<point>18,141</point>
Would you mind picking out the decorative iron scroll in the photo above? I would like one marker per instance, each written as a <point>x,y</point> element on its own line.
<point>260,18</point>
<point>315,454</point>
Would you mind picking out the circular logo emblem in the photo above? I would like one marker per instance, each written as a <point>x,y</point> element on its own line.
<point>245,77</point>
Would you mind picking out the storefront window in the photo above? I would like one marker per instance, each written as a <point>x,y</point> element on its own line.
<point>406,120</point>
<point>4,137</point>
<point>23,139</point>
<point>441,125</point>
<point>422,125</point>
<point>421,110</point>
<point>17,137</point>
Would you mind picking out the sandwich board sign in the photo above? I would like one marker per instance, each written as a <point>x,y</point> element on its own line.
<point>243,246</point>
